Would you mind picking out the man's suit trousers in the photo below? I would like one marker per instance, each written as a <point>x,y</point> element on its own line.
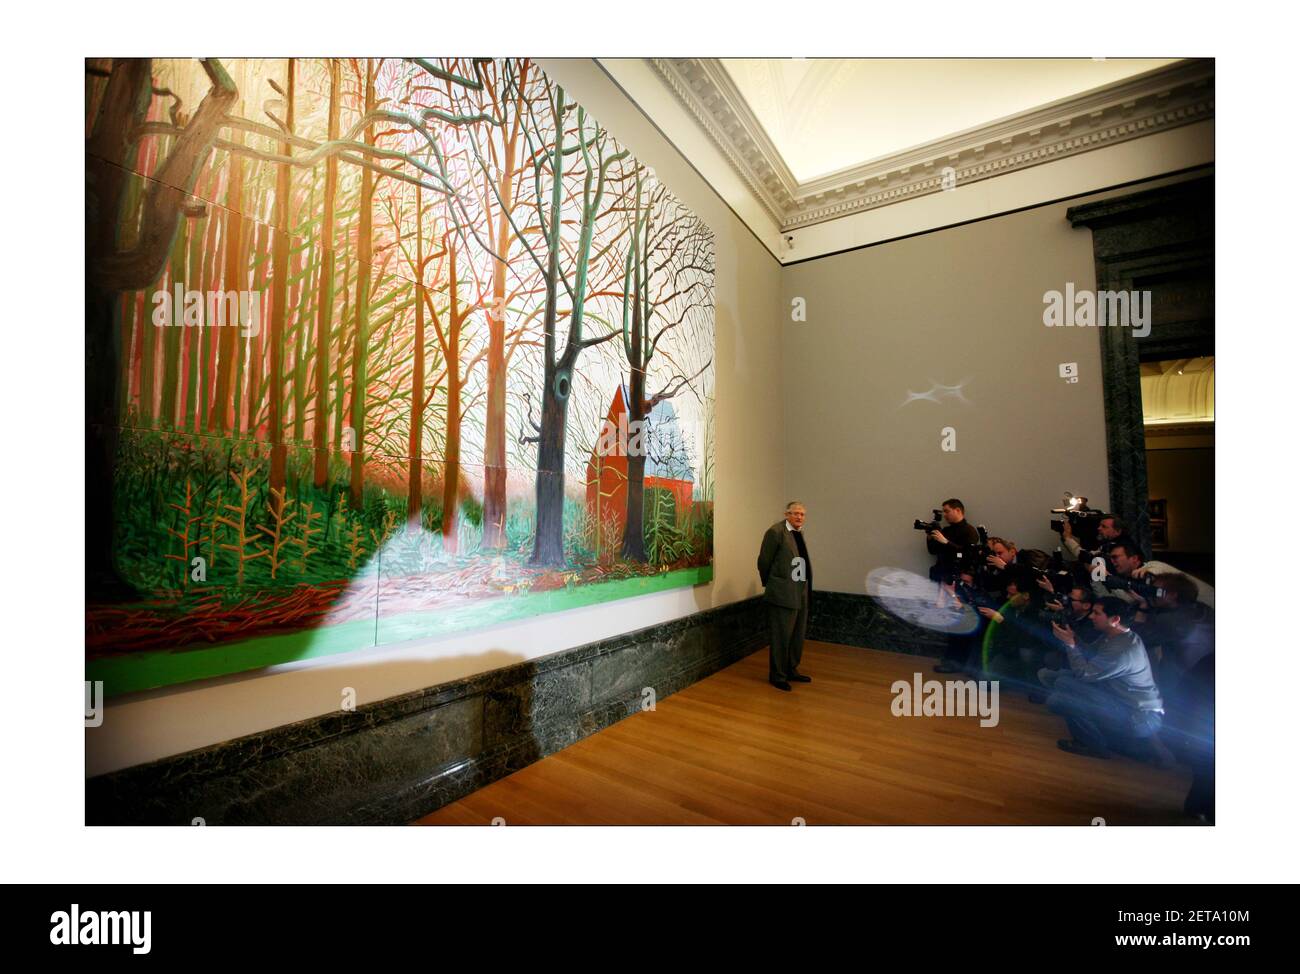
<point>787,630</point>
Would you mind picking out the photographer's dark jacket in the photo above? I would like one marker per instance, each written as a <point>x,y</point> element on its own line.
<point>1184,633</point>
<point>959,535</point>
<point>1020,628</point>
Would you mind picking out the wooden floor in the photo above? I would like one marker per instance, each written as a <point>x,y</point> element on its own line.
<point>732,749</point>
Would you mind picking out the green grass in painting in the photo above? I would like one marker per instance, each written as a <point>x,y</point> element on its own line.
<point>143,671</point>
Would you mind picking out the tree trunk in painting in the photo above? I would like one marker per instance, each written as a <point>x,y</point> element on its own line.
<point>257,343</point>
<point>548,549</point>
<point>634,529</point>
<point>232,280</point>
<point>325,303</point>
<point>451,466</point>
<point>415,444</point>
<point>171,333</point>
<point>365,245</point>
<point>494,437</point>
<point>548,543</point>
<point>494,441</point>
<point>279,310</point>
<point>110,271</point>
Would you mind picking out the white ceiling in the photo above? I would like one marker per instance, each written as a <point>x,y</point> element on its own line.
<point>874,150</point>
<point>826,114</point>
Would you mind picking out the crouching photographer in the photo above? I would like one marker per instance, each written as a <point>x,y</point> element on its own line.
<point>1073,611</point>
<point>1177,630</point>
<point>1002,566</point>
<point>948,537</point>
<point>1110,700</point>
<point>1130,579</point>
<point>1020,638</point>
<point>962,652</point>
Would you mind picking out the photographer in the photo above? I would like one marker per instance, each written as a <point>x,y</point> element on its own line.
<point>947,536</point>
<point>1129,578</point>
<point>1074,612</point>
<point>1109,701</point>
<point>960,654</point>
<point>1110,531</point>
<point>1003,565</point>
<point>1020,637</point>
<point>1177,629</point>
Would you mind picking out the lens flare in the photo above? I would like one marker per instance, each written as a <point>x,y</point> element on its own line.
<point>918,600</point>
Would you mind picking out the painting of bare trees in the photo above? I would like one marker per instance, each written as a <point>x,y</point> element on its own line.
<point>377,349</point>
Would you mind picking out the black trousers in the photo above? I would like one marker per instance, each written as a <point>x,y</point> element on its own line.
<point>786,627</point>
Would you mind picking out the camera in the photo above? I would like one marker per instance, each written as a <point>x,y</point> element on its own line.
<point>932,525</point>
<point>1083,519</point>
<point>1055,571</point>
<point>1059,616</point>
<point>974,559</point>
<point>1120,583</point>
<point>974,595</point>
<point>1062,581</point>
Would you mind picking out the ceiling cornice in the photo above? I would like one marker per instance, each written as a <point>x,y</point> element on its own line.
<point>1155,101</point>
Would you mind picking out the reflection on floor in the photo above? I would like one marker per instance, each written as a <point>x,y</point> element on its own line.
<point>734,750</point>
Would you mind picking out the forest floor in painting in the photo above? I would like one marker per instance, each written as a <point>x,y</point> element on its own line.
<point>145,669</point>
<point>303,571</point>
<point>219,616</point>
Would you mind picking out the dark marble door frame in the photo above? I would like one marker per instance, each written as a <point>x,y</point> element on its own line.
<point>1161,240</point>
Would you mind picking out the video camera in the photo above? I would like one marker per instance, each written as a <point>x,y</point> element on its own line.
<point>932,525</point>
<point>1083,519</point>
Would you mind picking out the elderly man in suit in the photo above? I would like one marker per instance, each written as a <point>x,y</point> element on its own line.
<point>786,571</point>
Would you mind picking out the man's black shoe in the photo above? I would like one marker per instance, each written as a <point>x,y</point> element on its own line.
<point>1036,697</point>
<point>780,684</point>
<point>1074,747</point>
<point>800,678</point>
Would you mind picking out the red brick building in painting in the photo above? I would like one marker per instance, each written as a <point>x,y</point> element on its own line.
<point>667,467</point>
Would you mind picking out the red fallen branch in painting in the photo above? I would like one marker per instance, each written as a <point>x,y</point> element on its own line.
<point>166,625</point>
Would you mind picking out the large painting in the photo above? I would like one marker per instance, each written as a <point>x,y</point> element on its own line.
<point>377,349</point>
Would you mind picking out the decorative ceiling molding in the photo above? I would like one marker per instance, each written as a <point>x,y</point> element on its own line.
<point>1145,104</point>
<point>1202,427</point>
<point>1177,392</point>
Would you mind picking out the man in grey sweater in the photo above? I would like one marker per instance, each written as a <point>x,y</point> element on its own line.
<point>1109,699</point>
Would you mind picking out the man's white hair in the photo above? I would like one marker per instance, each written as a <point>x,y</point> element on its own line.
<point>793,504</point>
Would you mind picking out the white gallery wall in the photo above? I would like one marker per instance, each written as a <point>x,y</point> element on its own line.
<point>891,323</point>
